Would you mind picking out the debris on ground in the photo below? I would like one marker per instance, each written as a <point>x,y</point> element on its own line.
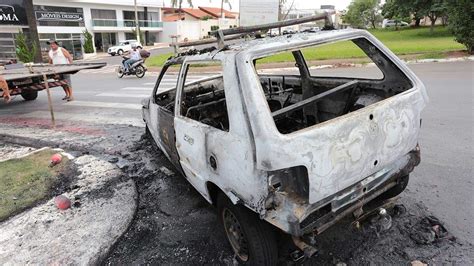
<point>55,159</point>
<point>428,230</point>
<point>43,235</point>
<point>175,225</point>
<point>62,202</point>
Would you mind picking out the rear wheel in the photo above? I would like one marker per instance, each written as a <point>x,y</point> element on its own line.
<point>140,71</point>
<point>252,239</point>
<point>29,95</point>
<point>120,52</point>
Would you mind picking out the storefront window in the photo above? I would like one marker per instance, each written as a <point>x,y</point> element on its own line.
<point>104,40</point>
<point>65,40</point>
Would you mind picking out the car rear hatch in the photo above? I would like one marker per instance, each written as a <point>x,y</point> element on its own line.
<point>343,151</point>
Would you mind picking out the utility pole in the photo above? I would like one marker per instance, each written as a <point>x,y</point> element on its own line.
<point>137,26</point>
<point>33,30</point>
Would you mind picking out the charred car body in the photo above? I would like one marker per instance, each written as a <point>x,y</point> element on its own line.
<point>298,151</point>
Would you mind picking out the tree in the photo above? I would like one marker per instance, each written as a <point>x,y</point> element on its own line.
<point>363,12</point>
<point>88,45</point>
<point>437,9</point>
<point>136,31</point>
<point>461,22</point>
<point>33,30</point>
<point>398,10</point>
<point>222,6</point>
<point>25,50</point>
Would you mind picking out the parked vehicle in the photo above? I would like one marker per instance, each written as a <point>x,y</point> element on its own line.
<point>27,79</point>
<point>388,23</point>
<point>138,69</point>
<point>123,47</point>
<point>288,31</point>
<point>295,152</point>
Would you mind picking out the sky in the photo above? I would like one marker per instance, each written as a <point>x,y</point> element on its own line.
<point>299,4</point>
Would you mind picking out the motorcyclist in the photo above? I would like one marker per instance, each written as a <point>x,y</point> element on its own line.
<point>133,56</point>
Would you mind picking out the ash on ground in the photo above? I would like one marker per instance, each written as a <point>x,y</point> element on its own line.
<point>175,225</point>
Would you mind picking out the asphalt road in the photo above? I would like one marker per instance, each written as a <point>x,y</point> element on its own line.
<point>443,182</point>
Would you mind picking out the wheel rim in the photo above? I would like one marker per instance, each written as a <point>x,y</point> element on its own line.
<point>139,71</point>
<point>235,234</point>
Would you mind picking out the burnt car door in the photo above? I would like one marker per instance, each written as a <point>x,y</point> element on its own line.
<point>162,112</point>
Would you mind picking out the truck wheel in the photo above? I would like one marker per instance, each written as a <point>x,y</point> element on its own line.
<point>395,190</point>
<point>252,239</point>
<point>120,52</point>
<point>29,95</point>
<point>140,71</point>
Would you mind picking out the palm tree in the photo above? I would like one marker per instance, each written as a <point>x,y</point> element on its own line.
<point>178,3</point>
<point>222,6</point>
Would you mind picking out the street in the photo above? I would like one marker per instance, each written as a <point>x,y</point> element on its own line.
<point>173,224</point>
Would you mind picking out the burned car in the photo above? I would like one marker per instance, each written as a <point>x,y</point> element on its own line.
<point>287,151</point>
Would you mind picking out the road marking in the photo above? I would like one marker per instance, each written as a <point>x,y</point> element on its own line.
<point>132,106</point>
<point>123,95</point>
<point>137,89</point>
<point>121,120</point>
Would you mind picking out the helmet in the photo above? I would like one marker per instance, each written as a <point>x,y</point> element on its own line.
<point>134,45</point>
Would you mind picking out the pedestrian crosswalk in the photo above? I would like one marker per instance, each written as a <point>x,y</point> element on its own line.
<point>108,106</point>
<point>129,97</point>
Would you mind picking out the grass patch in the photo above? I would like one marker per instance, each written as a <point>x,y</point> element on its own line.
<point>402,42</point>
<point>25,181</point>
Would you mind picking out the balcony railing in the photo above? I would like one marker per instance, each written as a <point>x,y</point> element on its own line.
<point>129,23</point>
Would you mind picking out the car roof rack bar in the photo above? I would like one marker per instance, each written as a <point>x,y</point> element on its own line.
<point>220,36</point>
<point>279,24</point>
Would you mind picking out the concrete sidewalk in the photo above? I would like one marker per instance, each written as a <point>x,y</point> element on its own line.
<point>104,202</point>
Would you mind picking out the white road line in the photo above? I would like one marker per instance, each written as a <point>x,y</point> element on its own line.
<point>123,95</point>
<point>121,120</point>
<point>137,89</point>
<point>132,106</point>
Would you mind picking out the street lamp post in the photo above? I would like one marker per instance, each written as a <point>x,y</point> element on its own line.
<point>136,22</point>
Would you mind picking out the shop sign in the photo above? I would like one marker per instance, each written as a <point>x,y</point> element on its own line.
<point>58,16</point>
<point>12,13</point>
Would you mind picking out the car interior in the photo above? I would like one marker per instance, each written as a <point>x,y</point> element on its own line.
<point>296,100</point>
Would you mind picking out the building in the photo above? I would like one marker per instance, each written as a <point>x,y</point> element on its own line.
<point>66,20</point>
<point>195,23</point>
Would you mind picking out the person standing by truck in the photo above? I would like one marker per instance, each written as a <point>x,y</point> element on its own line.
<point>60,56</point>
<point>4,87</point>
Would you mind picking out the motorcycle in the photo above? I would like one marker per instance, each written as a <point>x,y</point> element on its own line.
<point>138,68</point>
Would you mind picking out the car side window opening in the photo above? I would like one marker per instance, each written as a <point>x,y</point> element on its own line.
<point>312,91</point>
<point>165,89</point>
<point>203,97</point>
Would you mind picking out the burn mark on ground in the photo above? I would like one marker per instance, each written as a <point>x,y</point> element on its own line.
<point>175,225</point>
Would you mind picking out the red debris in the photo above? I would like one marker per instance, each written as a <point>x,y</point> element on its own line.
<point>56,159</point>
<point>62,202</point>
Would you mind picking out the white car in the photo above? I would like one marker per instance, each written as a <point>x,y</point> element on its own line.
<point>388,23</point>
<point>123,47</point>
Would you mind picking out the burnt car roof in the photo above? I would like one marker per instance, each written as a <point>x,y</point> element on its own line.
<point>282,42</point>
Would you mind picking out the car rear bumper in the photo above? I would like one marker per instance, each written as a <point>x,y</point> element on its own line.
<point>299,219</point>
